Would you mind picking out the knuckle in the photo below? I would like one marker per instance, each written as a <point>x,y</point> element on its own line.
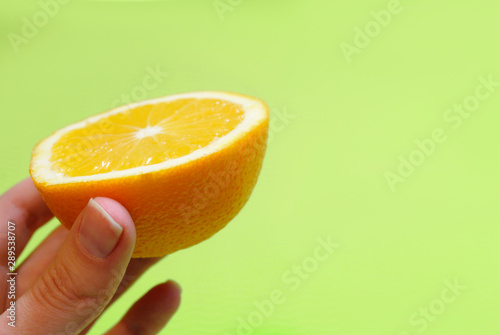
<point>59,289</point>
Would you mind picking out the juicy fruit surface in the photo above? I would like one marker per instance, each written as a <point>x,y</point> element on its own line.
<point>173,206</point>
<point>144,135</point>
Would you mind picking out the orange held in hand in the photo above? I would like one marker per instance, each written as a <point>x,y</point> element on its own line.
<point>182,165</point>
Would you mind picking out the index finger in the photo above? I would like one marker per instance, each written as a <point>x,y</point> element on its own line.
<point>24,207</point>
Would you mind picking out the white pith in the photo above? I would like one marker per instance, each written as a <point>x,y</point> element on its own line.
<point>255,112</point>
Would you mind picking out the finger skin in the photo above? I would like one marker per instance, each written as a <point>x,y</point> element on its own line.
<point>36,263</point>
<point>135,269</point>
<point>45,253</point>
<point>23,206</point>
<point>77,285</point>
<point>150,314</point>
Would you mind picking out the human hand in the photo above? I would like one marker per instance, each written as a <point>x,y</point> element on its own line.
<point>72,276</point>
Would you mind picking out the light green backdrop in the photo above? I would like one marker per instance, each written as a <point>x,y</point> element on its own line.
<point>384,140</point>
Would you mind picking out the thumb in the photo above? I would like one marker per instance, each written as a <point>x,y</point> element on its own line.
<point>84,275</point>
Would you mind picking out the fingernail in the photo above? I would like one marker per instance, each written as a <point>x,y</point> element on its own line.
<point>99,232</point>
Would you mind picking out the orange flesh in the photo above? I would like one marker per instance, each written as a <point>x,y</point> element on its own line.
<point>144,135</point>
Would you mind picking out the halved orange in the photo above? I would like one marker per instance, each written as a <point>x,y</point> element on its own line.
<point>183,165</point>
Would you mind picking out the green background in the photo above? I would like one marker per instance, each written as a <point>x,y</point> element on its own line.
<point>345,123</point>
